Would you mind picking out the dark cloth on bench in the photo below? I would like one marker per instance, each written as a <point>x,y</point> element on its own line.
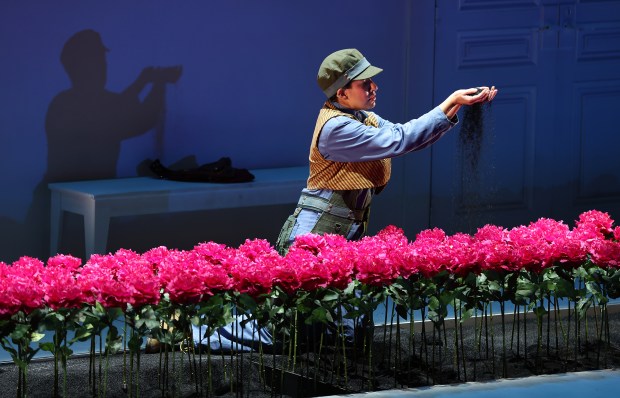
<point>220,171</point>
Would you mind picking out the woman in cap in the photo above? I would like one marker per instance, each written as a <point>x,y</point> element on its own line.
<point>351,148</point>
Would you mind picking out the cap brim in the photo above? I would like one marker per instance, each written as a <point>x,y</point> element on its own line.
<point>368,73</point>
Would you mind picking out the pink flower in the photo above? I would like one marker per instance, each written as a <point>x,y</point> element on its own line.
<point>544,243</point>
<point>339,259</point>
<point>99,281</point>
<point>313,243</point>
<point>594,224</point>
<point>320,261</point>
<point>558,245</point>
<point>413,258</point>
<point>435,234</point>
<point>59,280</point>
<point>20,286</point>
<point>214,253</point>
<point>464,258</point>
<point>216,276</point>
<point>379,257</point>
<point>118,279</point>
<point>181,276</point>
<point>7,302</point>
<point>305,271</point>
<point>285,274</point>
<point>494,249</point>
<point>528,249</point>
<point>433,252</point>
<point>188,277</point>
<point>591,230</point>
<point>605,253</point>
<point>251,267</point>
<point>139,278</point>
<point>155,256</point>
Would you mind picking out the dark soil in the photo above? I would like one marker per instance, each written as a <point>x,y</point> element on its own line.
<point>396,359</point>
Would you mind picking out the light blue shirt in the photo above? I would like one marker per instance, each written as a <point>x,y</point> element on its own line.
<point>347,140</point>
<point>343,139</point>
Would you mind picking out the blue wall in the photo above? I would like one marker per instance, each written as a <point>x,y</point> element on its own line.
<point>247,91</point>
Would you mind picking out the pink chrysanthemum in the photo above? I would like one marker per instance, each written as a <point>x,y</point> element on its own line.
<point>188,277</point>
<point>605,253</point>
<point>495,250</point>
<point>320,261</point>
<point>99,282</point>
<point>594,224</point>
<point>251,267</point>
<point>464,258</point>
<point>20,286</point>
<point>59,280</point>
<point>379,257</point>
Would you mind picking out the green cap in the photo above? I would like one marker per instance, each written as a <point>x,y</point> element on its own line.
<point>341,67</point>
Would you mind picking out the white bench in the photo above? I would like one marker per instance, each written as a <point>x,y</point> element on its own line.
<point>100,200</point>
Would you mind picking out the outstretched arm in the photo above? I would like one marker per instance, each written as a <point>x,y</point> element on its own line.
<point>451,105</point>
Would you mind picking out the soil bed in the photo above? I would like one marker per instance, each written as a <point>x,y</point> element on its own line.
<point>396,359</point>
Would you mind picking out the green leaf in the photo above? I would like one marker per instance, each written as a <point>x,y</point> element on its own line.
<point>114,345</point>
<point>66,351</point>
<point>83,333</point>
<point>320,315</point>
<point>494,286</point>
<point>247,303</point>
<point>433,303</point>
<point>465,315</point>
<point>583,305</point>
<point>48,346</point>
<point>36,336</point>
<point>402,311</point>
<point>99,308</point>
<point>147,319</point>
<point>135,343</point>
<point>114,313</point>
<point>594,289</point>
<point>330,295</point>
<point>8,347</point>
<point>20,332</point>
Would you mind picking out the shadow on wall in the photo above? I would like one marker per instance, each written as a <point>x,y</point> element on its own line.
<point>86,124</point>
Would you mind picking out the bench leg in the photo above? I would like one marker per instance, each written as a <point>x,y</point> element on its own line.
<point>96,226</point>
<point>56,214</point>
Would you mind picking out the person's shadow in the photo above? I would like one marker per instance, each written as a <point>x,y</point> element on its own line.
<point>86,123</point>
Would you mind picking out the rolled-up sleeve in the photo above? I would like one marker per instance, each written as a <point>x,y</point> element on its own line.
<point>344,139</point>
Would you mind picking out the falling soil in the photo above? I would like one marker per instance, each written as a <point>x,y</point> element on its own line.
<point>472,133</point>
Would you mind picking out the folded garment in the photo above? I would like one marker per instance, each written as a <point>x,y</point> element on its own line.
<point>220,171</point>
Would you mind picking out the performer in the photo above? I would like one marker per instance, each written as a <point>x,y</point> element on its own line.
<point>350,156</point>
<point>351,148</point>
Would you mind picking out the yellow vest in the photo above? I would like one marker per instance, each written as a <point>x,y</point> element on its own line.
<point>327,174</point>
